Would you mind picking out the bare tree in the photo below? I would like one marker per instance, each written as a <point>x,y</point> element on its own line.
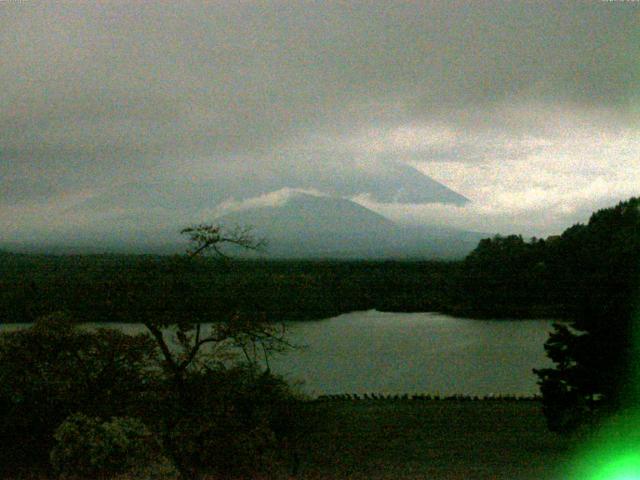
<point>255,337</point>
<point>200,348</point>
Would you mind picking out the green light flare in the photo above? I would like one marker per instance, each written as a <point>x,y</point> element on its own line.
<point>621,467</point>
<point>613,453</point>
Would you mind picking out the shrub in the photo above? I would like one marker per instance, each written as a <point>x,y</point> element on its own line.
<point>85,447</point>
<point>230,422</point>
<point>53,369</point>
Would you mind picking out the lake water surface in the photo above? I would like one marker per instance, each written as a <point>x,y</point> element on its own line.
<point>395,353</point>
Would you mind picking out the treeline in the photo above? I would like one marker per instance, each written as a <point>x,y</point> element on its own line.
<point>596,358</point>
<point>586,268</point>
<point>590,276</point>
<point>113,288</point>
<point>504,277</point>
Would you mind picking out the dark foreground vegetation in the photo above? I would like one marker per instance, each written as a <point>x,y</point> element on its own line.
<point>94,404</point>
<point>78,403</point>
<point>400,439</point>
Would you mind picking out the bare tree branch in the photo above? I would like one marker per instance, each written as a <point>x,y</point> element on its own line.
<point>253,336</point>
<point>206,237</point>
<point>166,351</point>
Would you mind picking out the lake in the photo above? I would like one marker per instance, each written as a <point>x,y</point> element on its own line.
<point>396,353</point>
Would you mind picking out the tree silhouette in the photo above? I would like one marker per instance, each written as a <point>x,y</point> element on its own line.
<point>595,355</point>
<point>191,369</point>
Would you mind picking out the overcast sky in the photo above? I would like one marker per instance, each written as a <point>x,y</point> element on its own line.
<point>530,110</point>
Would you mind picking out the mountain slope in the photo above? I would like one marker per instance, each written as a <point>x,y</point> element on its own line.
<point>309,226</point>
<point>389,182</point>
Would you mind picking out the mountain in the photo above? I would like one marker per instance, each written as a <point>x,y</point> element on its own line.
<point>386,183</point>
<point>309,226</point>
<point>389,182</point>
<point>147,216</point>
<point>295,225</point>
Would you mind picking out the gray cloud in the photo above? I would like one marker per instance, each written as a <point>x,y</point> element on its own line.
<point>100,94</point>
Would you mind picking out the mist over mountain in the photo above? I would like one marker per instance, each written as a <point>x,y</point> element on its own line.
<point>295,224</point>
<point>384,182</point>
<point>309,226</point>
<point>300,215</point>
<point>172,111</point>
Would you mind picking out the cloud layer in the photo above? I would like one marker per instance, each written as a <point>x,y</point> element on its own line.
<point>531,110</point>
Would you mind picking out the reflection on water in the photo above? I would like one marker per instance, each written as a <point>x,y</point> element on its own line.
<point>396,353</point>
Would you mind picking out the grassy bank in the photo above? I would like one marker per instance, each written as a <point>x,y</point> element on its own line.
<point>451,439</point>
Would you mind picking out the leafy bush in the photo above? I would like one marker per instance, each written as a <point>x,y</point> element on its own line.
<point>230,422</point>
<point>88,448</point>
<point>53,369</point>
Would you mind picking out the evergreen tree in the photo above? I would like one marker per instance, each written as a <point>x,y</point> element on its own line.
<point>597,266</point>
